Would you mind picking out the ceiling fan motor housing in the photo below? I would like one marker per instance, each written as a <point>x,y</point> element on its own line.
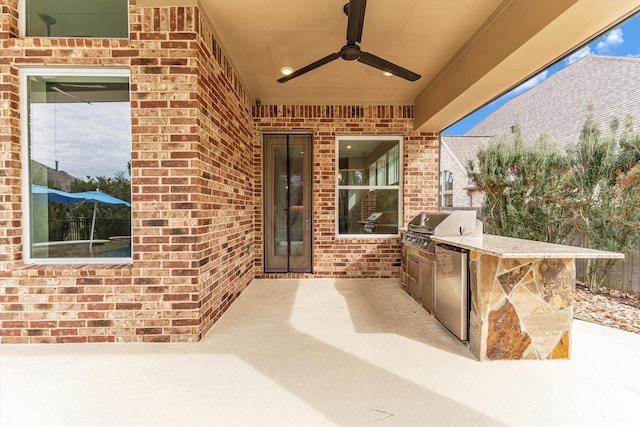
<point>350,52</point>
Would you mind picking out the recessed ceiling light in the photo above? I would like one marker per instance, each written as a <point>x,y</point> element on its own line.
<point>386,73</point>
<point>286,70</point>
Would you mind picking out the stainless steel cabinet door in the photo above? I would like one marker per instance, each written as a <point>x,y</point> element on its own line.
<point>452,290</point>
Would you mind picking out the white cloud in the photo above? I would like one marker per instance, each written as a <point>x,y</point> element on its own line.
<point>611,39</point>
<point>86,140</point>
<point>577,55</point>
<point>532,82</point>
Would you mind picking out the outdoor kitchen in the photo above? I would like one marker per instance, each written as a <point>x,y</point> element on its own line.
<point>504,298</point>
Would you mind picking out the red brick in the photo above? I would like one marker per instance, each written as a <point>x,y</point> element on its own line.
<point>90,298</point>
<point>185,322</point>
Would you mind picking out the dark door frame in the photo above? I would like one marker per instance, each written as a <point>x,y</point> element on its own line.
<point>271,263</point>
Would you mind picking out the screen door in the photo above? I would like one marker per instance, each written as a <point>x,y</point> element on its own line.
<point>287,202</point>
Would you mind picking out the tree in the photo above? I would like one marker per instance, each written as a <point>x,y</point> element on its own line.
<point>112,220</point>
<point>534,191</point>
<point>606,193</point>
<point>525,187</point>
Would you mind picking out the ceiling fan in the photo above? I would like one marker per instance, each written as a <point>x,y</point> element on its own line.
<point>58,87</point>
<point>351,51</point>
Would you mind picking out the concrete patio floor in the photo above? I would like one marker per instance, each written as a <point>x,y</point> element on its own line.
<point>320,352</point>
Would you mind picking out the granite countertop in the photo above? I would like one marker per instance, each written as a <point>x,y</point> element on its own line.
<point>508,247</point>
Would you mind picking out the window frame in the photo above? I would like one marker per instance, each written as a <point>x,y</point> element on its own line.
<point>22,25</point>
<point>24,74</point>
<point>444,192</point>
<point>398,187</point>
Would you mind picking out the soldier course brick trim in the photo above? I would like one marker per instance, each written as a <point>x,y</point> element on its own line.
<point>343,257</point>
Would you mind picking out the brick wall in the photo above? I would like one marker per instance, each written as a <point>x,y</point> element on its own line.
<point>344,257</point>
<point>196,188</point>
<point>9,141</point>
<point>8,19</point>
<point>192,179</point>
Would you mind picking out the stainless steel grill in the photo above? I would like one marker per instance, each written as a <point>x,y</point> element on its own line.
<point>428,224</point>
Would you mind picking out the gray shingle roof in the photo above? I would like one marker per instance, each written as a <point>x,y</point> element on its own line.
<point>465,148</point>
<point>558,106</point>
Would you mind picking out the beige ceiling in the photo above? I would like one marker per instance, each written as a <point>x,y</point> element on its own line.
<point>467,51</point>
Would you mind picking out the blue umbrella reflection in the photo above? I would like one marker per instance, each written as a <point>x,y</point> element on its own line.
<point>41,194</point>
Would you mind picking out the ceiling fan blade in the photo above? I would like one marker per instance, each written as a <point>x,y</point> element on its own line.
<point>384,65</point>
<point>356,21</point>
<point>57,89</point>
<point>312,66</point>
<point>83,85</point>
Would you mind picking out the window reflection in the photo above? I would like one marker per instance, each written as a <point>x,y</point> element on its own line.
<point>79,151</point>
<point>73,18</point>
<point>368,186</point>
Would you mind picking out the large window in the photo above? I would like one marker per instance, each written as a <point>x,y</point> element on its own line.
<point>77,183</point>
<point>76,18</point>
<point>368,181</point>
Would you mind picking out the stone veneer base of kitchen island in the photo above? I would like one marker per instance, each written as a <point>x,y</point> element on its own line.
<point>522,296</point>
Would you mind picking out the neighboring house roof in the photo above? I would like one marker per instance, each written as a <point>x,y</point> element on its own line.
<point>558,106</point>
<point>63,179</point>
<point>464,148</point>
<point>60,179</point>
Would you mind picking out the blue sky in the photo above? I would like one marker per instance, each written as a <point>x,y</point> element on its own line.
<point>623,40</point>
